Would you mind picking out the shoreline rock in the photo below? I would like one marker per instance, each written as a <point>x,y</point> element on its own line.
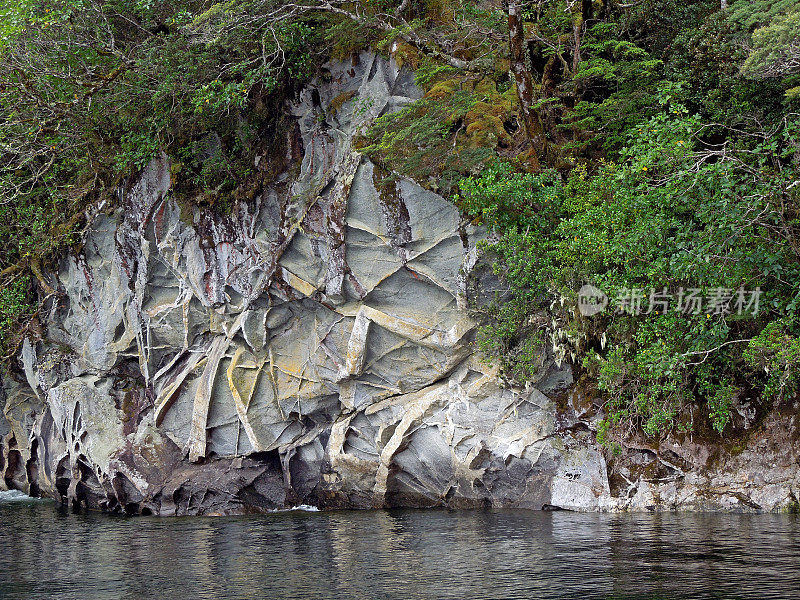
<point>313,347</point>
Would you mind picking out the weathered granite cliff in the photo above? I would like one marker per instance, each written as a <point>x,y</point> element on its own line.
<point>314,346</point>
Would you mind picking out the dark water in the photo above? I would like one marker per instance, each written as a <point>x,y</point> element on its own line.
<point>49,553</point>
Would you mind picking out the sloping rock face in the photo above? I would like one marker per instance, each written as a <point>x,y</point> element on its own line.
<point>312,347</point>
<point>315,347</point>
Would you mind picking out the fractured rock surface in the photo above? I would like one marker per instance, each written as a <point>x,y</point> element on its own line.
<point>314,347</point>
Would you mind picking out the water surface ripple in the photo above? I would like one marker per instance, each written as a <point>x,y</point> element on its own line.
<point>48,552</point>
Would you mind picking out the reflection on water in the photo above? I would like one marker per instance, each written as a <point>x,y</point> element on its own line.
<point>50,553</point>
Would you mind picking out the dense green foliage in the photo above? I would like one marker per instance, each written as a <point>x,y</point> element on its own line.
<point>657,159</point>
<point>696,193</point>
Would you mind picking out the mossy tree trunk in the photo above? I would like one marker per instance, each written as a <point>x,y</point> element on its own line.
<point>581,13</point>
<point>523,80</point>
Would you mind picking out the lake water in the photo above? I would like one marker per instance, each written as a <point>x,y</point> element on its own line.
<point>47,552</point>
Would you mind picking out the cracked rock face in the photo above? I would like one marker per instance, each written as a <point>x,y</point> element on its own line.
<point>314,347</point>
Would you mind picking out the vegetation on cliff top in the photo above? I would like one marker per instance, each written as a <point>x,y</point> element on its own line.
<point>647,148</point>
<point>90,91</point>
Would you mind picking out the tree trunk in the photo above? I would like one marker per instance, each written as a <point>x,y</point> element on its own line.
<point>577,29</point>
<point>582,14</point>
<point>522,77</point>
